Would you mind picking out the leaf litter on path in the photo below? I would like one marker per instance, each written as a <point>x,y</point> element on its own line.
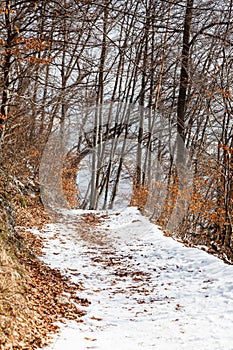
<point>146,291</point>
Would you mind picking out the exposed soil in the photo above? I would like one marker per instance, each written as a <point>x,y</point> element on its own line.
<point>41,297</point>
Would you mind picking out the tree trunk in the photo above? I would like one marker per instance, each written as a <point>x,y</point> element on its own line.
<point>6,73</point>
<point>184,81</point>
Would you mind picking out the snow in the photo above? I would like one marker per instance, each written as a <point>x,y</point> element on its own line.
<point>147,291</point>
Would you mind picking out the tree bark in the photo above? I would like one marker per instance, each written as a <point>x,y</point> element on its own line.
<point>184,80</point>
<point>6,73</point>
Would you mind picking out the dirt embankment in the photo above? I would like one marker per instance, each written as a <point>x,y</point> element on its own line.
<point>33,297</point>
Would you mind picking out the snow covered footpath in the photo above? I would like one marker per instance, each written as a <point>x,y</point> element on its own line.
<point>146,290</point>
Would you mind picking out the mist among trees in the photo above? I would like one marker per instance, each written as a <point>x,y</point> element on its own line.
<point>133,79</point>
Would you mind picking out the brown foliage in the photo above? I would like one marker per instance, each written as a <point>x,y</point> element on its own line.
<point>139,196</point>
<point>69,174</point>
<point>33,297</point>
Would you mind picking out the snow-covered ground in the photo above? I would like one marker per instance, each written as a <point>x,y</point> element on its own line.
<point>146,290</point>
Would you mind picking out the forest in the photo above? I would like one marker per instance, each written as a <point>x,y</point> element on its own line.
<point>136,92</point>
